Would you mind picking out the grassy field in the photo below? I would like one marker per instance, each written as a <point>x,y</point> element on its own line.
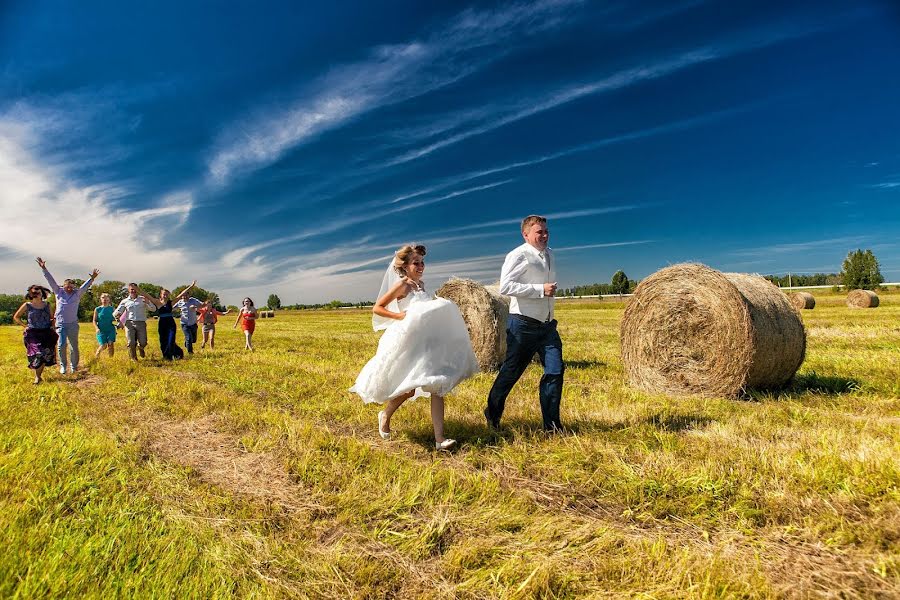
<point>258,474</point>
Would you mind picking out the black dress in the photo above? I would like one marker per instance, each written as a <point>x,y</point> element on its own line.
<point>167,331</point>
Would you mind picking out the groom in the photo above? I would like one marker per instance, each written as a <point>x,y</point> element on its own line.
<point>529,278</point>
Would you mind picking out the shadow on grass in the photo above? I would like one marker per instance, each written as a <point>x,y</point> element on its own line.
<point>676,423</point>
<point>584,364</point>
<point>824,384</point>
<point>812,382</point>
<point>479,435</point>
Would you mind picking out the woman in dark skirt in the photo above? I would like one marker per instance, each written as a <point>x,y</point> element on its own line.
<point>167,327</point>
<point>39,336</point>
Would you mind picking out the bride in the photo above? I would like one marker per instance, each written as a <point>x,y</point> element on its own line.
<point>424,351</point>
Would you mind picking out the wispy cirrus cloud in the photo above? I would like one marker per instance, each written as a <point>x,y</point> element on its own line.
<point>388,75</point>
<point>486,119</point>
<point>555,216</point>
<point>838,244</point>
<point>603,245</point>
<point>505,115</point>
<point>361,214</point>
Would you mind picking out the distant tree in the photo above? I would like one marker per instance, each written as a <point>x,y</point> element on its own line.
<point>151,288</point>
<point>619,283</point>
<point>274,302</point>
<point>197,292</point>
<point>861,271</point>
<point>11,302</point>
<point>115,289</point>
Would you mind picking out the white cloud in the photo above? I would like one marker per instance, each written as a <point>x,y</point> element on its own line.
<point>360,214</point>
<point>76,228</point>
<point>838,245</point>
<point>388,75</point>
<point>557,216</point>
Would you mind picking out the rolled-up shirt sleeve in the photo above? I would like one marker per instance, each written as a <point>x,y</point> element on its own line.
<point>119,309</point>
<point>514,267</point>
<point>52,282</point>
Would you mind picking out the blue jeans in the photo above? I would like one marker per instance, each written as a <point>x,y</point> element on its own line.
<point>190,336</point>
<point>524,338</point>
<point>68,332</point>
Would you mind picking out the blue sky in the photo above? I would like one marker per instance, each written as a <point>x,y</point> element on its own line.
<point>290,147</point>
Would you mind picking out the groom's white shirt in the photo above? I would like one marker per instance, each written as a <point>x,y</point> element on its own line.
<point>524,273</point>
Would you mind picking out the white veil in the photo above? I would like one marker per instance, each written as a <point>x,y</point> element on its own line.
<point>391,277</point>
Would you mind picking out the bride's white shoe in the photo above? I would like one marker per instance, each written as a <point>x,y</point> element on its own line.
<point>445,445</point>
<point>385,435</point>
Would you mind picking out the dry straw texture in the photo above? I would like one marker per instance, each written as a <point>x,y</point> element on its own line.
<point>485,311</point>
<point>862,299</point>
<point>803,301</point>
<point>690,329</point>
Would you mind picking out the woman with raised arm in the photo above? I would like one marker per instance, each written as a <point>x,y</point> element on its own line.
<point>425,349</point>
<point>38,334</point>
<point>167,328</point>
<point>105,326</point>
<point>247,318</point>
<point>207,314</point>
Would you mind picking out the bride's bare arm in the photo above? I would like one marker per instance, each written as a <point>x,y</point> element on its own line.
<point>399,290</point>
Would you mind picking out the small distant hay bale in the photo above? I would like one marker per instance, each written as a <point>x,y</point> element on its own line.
<point>261,314</point>
<point>690,329</point>
<point>862,299</point>
<point>803,301</point>
<point>485,312</point>
<point>271,314</point>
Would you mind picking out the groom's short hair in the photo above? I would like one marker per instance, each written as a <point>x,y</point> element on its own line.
<point>531,220</point>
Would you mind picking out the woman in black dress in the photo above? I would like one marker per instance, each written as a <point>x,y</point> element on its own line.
<point>167,327</point>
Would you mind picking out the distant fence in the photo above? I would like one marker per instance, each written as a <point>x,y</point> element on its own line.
<point>623,297</point>
<point>601,297</point>
<point>823,287</point>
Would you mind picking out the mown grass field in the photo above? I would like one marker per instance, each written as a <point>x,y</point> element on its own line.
<point>259,475</point>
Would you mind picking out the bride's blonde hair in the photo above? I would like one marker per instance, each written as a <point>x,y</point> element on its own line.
<point>402,256</point>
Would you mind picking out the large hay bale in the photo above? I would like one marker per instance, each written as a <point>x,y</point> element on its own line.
<point>862,299</point>
<point>803,301</point>
<point>485,312</point>
<point>690,329</point>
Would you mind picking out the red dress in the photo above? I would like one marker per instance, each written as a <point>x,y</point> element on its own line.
<point>248,321</point>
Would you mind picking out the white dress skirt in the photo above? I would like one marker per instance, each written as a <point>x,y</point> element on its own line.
<point>428,351</point>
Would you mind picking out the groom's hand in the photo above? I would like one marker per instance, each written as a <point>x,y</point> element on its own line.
<point>550,289</point>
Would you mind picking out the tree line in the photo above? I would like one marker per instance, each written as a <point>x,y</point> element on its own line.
<point>860,270</point>
<point>10,303</point>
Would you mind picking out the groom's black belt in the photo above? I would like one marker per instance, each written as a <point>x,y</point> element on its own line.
<point>529,320</point>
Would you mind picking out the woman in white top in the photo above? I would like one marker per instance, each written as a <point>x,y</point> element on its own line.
<point>425,349</point>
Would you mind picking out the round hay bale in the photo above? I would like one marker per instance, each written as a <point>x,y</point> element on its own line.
<point>862,299</point>
<point>485,312</point>
<point>690,329</point>
<point>803,301</point>
<point>271,314</point>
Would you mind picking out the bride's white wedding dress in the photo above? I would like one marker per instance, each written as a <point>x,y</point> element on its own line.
<point>428,351</point>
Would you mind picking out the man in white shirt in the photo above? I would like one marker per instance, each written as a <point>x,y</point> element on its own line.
<point>135,309</point>
<point>529,278</point>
